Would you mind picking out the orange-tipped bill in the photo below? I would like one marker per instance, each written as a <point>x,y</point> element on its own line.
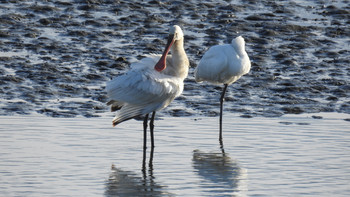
<point>161,65</point>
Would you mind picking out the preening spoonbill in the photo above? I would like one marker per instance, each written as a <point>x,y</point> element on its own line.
<point>224,64</point>
<point>151,84</point>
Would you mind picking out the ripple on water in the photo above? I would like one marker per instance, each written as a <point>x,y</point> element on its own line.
<point>295,154</point>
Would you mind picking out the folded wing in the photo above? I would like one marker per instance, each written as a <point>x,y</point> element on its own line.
<point>140,91</point>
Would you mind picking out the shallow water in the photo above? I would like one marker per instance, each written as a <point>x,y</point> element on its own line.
<point>294,155</point>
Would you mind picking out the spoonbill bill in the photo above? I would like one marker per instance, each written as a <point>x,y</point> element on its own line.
<point>223,64</point>
<point>151,84</point>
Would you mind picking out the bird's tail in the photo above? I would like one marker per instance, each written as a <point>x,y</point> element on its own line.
<point>115,122</point>
<point>127,112</point>
<point>115,105</point>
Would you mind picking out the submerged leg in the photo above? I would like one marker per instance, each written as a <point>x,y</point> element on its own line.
<point>151,125</point>
<point>144,161</point>
<point>150,162</point>
<point>221,103</point>
<point>222,147</point>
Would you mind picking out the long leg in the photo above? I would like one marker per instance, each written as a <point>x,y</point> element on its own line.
<point>150,170</point>
<point>221,106</point>
<point>144,161</point>
<point>145,122</point>
<point>222,146</point>
<point>151,125</point>
<point>150,164</point>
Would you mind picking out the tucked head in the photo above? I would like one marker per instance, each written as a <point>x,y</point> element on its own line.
<point>239,44</point>
<point>238,40</point>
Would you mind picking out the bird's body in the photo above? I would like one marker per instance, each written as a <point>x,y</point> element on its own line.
<point>143,90</point>
<point>151,84</point>
<point>224,64</point>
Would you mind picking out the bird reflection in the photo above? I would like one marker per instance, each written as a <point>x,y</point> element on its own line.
<point>220,174</point>
<point>150,176</point>
<point>126,183</point>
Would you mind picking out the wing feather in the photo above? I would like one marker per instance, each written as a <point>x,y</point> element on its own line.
<point>142,90</point>
<point>115,105</point>
<point>212,65</point>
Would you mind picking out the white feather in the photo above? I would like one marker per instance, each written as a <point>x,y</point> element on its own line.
<point>224,64</point>
<point>143,89</point>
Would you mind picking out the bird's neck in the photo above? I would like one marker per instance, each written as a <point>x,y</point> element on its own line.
<point>179,61</point>
<point>239,48</point>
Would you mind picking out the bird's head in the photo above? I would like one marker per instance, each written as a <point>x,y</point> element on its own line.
<point>238,41</point>
<point>238,44</point>
<point>175,33</point>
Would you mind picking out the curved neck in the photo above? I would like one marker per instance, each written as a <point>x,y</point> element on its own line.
<point>239,47</point>
<point>178,61</point>
<point>178,47</point>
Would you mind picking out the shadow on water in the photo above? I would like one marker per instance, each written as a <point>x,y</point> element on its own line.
<point>219,173</point>
<point>126,183</point>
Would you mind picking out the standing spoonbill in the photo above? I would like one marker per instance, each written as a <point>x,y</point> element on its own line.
<point>223,64</point>
<point>151,84</point>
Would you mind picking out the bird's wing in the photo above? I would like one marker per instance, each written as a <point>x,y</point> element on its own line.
<point>142,91</point>
<point>129,111</point>
<point>146,63</point>
<point>143,87</point>
<point>212,65</point>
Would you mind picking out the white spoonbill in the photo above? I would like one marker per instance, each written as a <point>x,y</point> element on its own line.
<point>224,64</point>
<point>151,84</point>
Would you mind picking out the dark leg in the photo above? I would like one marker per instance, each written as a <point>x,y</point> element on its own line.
<point>151,125</point>
<point>144,161</point>
<point>145,121</point>
<point>222,147</point>
<point>150,164</point>
<point>221,103</point>
<point>151,183</point>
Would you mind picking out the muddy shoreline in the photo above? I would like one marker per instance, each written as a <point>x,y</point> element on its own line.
<point>56,56</point>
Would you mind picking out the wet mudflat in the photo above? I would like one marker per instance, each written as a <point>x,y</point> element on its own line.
<point>294,155</point>
<point>56,56</point>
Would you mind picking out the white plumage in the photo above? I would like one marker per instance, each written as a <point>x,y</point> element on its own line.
<point>151,84</point>
<point>143,90</point>
<point>224,64</point>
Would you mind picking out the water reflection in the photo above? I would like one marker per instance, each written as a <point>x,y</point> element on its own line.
<point>219,173</point>
<point>126,183</point>
<point>150,162</point>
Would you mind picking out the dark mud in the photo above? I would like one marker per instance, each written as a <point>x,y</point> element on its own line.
<point>56,56</point>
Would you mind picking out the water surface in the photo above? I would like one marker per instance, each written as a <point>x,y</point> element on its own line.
<point>295,155</point>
